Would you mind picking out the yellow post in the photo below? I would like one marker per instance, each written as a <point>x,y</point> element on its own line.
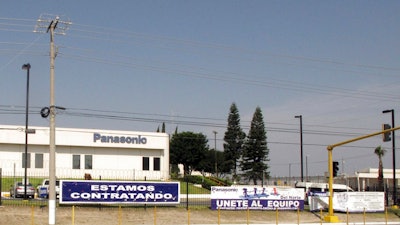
<point>248,216</point>
<point>347,216</point>
<point>364,216</point>
<point>155,215</point>
<point>32,215</point>
<point>219,216</point>
<point>298,216</point>
<point>386,216</point>
<point>330,217</point>
<point>277,216</point>
<point>73,215</point>
<point>119,215</point>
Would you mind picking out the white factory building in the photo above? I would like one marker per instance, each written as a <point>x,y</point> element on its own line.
<point>104,154</point>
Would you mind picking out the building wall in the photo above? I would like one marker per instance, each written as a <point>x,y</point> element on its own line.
<point>112,153</point>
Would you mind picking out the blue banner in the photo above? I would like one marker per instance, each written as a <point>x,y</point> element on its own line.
<point>127,192</point>
<point>257,204</point>
<point>257,198</point>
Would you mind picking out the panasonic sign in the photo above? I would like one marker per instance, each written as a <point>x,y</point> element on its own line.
<point>119,139</point>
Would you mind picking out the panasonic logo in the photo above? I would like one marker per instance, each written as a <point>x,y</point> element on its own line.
<point>119,139</point>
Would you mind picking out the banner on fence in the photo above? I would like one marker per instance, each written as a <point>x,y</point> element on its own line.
<point>116,192</point>
<point>256,197</point>
<point>350,202</point>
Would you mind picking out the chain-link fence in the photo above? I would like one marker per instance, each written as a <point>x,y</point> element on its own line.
<point>194,192</point>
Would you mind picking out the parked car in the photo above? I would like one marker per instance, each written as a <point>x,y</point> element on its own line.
<point>18,190</point>
<point>43,189</point>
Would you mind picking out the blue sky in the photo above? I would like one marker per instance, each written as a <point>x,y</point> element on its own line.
<point>129,65</point>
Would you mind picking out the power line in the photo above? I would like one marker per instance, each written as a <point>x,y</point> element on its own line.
<point>113,34</point>
<point>110,32</point>
<point>116,35</point>
<point>274,83</point>
<point>184,120</point>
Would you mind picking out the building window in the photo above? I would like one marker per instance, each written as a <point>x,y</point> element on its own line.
<point>38,160</point>
<point>146,163</point>
<point>88,162</point>
<point>76,162</point>
<point>28,160</point>
<point>156,164</point>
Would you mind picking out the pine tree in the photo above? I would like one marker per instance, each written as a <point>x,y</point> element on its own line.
<point>255,150</point>
<point>163,128</point>
<point>234,138</point>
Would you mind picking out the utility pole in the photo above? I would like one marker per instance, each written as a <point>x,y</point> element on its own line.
<point>301,146</point>
<point>215,149</point>
<point>63,26</point>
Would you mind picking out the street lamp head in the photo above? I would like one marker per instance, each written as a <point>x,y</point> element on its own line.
<point>298,116</point>
<point>387,111</point>
<point>26,66</point>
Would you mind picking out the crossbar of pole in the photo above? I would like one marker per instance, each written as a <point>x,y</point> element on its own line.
<point>331,217</point>
<point>330,147</point>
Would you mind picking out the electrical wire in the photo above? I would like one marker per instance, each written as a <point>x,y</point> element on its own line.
<point>182,120</point>
<point>113,34</point>
<point>273,83</point>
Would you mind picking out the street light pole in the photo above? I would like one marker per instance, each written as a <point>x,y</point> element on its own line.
<point>394,157</point>
<point>215,148</point>
<point>26,67</point>
<point>307,168</point>
<point>301,145</point>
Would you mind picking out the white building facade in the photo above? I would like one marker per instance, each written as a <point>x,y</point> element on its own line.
<point>107,154</point>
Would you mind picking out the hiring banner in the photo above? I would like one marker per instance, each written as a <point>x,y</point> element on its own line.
<point>116,192</point>
<point>257,198</point>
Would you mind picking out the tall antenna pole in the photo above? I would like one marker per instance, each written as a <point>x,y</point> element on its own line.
<point>52,148</point>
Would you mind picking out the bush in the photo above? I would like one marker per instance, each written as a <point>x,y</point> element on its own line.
<point>204,181</point>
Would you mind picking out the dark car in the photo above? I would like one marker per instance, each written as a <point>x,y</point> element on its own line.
<point>18,190</point>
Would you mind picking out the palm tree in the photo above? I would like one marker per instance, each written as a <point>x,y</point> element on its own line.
<point>380,152</point>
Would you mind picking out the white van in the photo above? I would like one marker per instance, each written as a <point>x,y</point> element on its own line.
<point>320,189</point>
